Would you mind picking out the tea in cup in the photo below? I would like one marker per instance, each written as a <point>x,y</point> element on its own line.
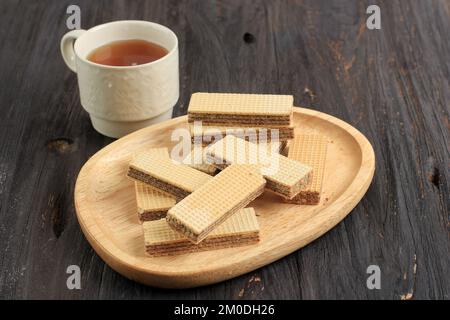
<point>127,73</point>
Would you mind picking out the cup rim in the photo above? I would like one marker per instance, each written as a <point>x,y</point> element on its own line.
<point>104,66</point>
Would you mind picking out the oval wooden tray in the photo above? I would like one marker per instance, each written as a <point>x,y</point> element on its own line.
<point>106,208</point>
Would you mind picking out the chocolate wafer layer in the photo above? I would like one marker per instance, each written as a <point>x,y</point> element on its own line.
<point>284,176</point>
<point>202,211</point>
<point>239,230</point>
<point>312,151</point>
<point>172,178</point>
<point>228,108</point>
<point>151,203</point>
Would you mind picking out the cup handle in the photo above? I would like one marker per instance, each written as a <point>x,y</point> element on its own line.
<point>67,51</point>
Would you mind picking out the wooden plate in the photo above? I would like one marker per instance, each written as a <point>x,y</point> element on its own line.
<point>106,208</point>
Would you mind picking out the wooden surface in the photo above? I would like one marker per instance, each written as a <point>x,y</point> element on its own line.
<point>392,84</point>
<point>106,207</point>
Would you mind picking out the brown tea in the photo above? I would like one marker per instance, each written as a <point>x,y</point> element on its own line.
<point>127,53</point>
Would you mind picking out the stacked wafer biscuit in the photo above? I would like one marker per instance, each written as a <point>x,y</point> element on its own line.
<point>284,176</point>
<point>152,204</point>
<point>210,211</point>
<point>228,192</point>
<point>310,149</point>
<point>240,229</point>
<point>173,179</point>
<point>249,116</point>
<point>211,133</point>
<point>199,203</point>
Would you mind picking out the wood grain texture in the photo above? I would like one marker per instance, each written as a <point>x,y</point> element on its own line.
<point>106,207</point>
<point>392,84</point>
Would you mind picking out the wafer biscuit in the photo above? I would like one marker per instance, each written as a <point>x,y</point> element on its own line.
<point>213,134</point>
<point>311,150</point>
<point>284,176</point>
<point>202,211</point>
<point>195,159</point>
<point>166,175</point>
<point>151,203</point>
<point>240,229</point>
<point>206,142</point>
<point>240,109</point>
<point>254,134</point>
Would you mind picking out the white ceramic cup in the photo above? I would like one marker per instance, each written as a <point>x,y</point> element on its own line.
<point>123,99</point>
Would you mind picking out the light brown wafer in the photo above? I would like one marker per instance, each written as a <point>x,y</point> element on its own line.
<point>228,108</point>
<point>240,229</point>
<point>284,176</point>
<point>202,211</point>
<point>166,175</point>
<point>151,153</point>
<point>311,150</point>
<point>196,160</point>
<point>151,203</point>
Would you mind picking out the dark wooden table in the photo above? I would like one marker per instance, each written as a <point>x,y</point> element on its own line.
<point>392,84</point>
